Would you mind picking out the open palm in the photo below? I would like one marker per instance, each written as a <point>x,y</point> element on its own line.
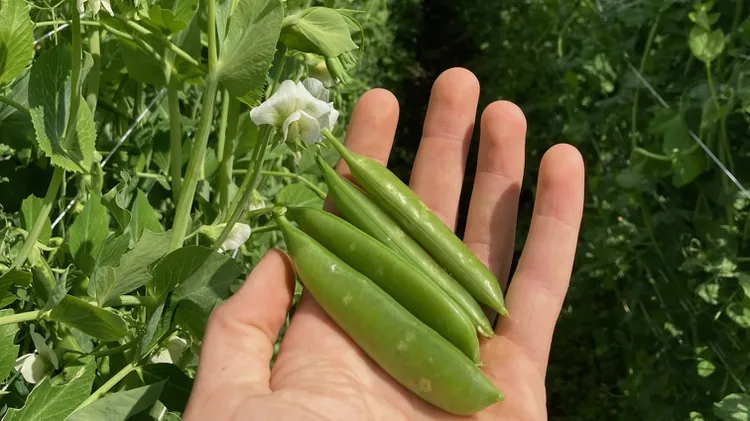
<point>322,375</point>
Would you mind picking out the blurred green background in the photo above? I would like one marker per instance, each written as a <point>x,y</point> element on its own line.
<point>657,320</point>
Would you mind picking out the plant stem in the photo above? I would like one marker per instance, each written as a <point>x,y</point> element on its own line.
<point>36,230</point>
<point>252,179</point>
<point>75,75</point>
<point>223,153</point>
<point>265,228</point>
<point>652,155</point>
<point>175,137</point>
<point>195,164</point>
<point>132,301</point>
<point>20,317</point>
<point>227,158</point>
<point>14,104</point>
<point>170,46</point>
<point>115,350</point>
<point>108,385</point>
<point>92,87</point>
<point>297,177</point>
<point>211,33</point>
<point>641,69</point>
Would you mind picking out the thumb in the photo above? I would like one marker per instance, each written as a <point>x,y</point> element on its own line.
<point>240,334</point>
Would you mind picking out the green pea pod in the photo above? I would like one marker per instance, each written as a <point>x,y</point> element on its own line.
<point>358,209</point>
<point>391,272</point>
<point>404,347</point>
<point>403,205</point>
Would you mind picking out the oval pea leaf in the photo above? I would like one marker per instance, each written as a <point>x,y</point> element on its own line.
<point>89,319</point>
<point>734,407</point>
<point>121,405</point>
<point>706,45</point>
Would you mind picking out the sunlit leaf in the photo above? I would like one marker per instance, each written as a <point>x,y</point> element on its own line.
<point>16,39</point>
<point>8,348</point>
<point>30,211</point>
<point>121,405</point>
<point>248,49</point>
<point>89,319</point>
<point>734,407</point>
<point>55,398</point>
<point>87,234</point>
<point>706,45</point>
<point>110,282</point>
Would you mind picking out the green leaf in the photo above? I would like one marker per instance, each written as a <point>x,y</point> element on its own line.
<point>8,348</point>
<point>144,217</point>
<point>709,292</point>
<point>706,45</point>
<point>318,30</point>
<point>109,282</point>
<point>121,405</point>
<point>739,314</point>
<point>16,39</point>
<point>87,234</point>
<point>298,195</point>
<point>49,97</point>
<point>31,208</point>
<point>55,399</point>
<point>58,292</point>
<point>192,317</point>
<point>705,368</point>
<point>249,47</point>
<point>677,144</point>
<point>744,280</point>
<point>165,19</point>
<point>734,407</point>
<point>158,324</point>
<point>197,271</point>
<point>89,319</point>
<point>205,283</point>
<point>116,200</point>
<point>177,388</point>
<point>113,249</point>
<point>696,416</point>
<point>44,350</point>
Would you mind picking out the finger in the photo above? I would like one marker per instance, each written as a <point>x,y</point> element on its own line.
<point>539,285</point>
<point>240,334</point>
<point>491,222</point>
<point>441,159</point>
<point>371,129</point>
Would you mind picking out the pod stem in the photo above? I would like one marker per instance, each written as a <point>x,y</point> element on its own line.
<point>340,148</point>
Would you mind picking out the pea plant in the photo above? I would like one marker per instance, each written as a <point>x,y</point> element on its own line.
<point>156,138</point>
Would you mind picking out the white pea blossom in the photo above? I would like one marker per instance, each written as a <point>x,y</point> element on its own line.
<point>96,5</point>
<point>33,367</point>
<point>172,352</point>
<point>300,110</point>
<point>237,237</point>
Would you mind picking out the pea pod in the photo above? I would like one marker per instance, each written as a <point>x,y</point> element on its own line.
<point>403,205</point>
<point>404,347</point>
<point>358,209</point>
<point>392,273</point>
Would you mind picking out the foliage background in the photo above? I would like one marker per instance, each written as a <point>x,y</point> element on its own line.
<point>657,319</point>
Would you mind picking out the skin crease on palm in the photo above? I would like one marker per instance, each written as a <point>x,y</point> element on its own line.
<point>319,373</point>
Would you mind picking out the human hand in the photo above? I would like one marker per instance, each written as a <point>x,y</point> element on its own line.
<point>320,374</point>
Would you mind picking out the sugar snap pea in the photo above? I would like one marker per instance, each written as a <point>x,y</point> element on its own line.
<point>404,347</point>
<point>403,205</point>
<point>392,273</point>
<point>358,209</point>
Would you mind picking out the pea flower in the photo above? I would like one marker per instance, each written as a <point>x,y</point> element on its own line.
<point>300,110</point>
<point>237,237</point>
<point>96,5</point>
<point>33,367</point>
<point>172,352</point>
